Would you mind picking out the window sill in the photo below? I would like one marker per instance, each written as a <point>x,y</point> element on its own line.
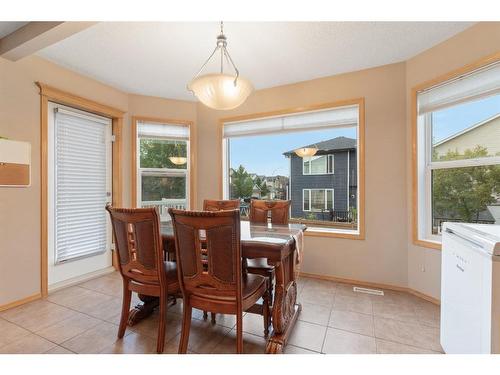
<point>427,244</point>
<point>336,233</point>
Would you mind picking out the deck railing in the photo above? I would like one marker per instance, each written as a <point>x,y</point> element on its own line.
<point>164,205</point>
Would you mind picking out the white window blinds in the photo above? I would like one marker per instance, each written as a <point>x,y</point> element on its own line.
<point>82,184</point>
<point>155,130</point>
<point>341,116</point>
<point>482,83</point>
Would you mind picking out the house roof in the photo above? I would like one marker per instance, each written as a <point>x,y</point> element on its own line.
<point>466,130</point>
<point>334,144</point>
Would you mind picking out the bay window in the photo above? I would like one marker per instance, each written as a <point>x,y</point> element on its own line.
<point>457,152</point>
<point>162,156</point>
<point>325,190</point>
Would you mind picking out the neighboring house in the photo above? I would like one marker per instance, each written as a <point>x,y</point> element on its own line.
<point>324,186</point>
<point>485,133</point>
<point>278,187</point>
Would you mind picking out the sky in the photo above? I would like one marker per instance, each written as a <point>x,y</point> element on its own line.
<point>264,154</point>
<point>455,119</point>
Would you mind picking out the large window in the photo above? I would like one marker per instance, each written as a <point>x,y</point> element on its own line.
<point>260,163</point>
<point>162,159</point>
<point>458,152</point>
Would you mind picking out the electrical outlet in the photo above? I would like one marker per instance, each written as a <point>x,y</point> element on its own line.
<point>422,268</point>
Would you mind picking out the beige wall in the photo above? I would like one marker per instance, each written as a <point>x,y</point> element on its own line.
<point>481,40</point>
<point>20,207</point>
<point>20,120</point>
<point>385,256</point>
<point>148,106</point>
<point>381,257</point>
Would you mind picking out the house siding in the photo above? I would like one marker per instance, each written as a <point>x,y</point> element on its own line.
<point>336,181</point>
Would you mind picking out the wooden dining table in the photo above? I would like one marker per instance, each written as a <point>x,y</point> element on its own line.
<point>277,244</point>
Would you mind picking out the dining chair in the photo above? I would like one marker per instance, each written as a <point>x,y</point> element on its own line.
<point>260,212</point>
<point>141,262</point>
<point>219,205</point>
<point>214,282</point>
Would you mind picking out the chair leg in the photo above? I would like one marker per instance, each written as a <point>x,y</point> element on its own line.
<point>205,315</point>
<point>239,332</point>
<point>127,296</point>
<point>266,313</point>
<point>163,323</point>
<point>212,315</point>
<point>186,326</point>
<point>270,289</point>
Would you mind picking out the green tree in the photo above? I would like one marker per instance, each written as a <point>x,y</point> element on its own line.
<point>464,192</point>
<point>262,186</point>
<point>241,183</point>
<point>155,153</point>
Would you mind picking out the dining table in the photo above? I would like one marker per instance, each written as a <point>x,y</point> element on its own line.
<point>280,245</point>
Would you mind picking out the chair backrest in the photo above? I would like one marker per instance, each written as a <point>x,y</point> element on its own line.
<point>221,205</point>
<point>139,245</point>
<point>279,209</point>
<point>215,269</point>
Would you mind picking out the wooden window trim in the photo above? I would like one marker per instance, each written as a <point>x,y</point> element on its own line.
<point>52,94</point>
<point>361,157</point>
<point>414,137</point>
<point>192,155</point>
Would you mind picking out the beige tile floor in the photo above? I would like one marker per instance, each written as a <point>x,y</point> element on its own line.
<point>334,319</point>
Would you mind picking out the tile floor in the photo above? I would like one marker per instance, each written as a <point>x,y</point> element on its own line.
<point>334,319</point>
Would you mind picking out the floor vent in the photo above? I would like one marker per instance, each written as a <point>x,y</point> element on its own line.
<point>368,291</point>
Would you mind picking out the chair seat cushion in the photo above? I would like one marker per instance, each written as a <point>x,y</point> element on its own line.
<point>259,263</point>
<point>253,287</point>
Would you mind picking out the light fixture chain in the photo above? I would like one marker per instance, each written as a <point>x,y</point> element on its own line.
<point>234,66</point>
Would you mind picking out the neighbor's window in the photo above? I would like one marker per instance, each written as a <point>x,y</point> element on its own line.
<point>163,166</point>
<point>318,200</point>
<point>260,162</point>
<point>458,143</point>
<point>322,164</point>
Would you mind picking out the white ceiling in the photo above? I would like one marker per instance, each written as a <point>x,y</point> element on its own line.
<point>9,27</point>
<point>160,58</point>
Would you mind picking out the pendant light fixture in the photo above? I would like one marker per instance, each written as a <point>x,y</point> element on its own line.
<point>178,160</point>
<point>306,151</point>
<point>221,91</point>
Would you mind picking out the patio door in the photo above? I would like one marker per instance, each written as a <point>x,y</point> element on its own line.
<point>79,186</point>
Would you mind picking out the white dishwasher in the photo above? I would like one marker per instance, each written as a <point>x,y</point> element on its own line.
<point>470,288</point>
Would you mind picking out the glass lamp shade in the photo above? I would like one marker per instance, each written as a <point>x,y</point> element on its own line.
<point>218,91</point>
<point>178,160</point>
<point>306,151</point>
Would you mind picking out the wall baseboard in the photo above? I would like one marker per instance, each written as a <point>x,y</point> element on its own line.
<point>373,285</point>
<point>20,302</point>
<point>80,279</point>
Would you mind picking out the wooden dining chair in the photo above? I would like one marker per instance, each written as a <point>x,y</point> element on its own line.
<point>141,262</point>
<point>219,205</point>
<point>260,212</point>
<point>214,282</point>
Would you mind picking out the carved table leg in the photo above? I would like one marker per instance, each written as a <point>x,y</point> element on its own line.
<point>285,309</point>
<point>142,311</point>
